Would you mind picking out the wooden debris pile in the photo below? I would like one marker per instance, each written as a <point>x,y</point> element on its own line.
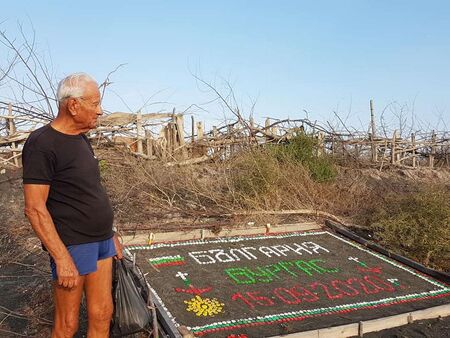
<point>162,136</point>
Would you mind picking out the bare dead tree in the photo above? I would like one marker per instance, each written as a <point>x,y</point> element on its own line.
<point>30,79</point>
<point>228,99</point>
<point>107,82</point>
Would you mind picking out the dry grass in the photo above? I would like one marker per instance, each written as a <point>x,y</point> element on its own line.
<point>253,180</point>
<point>416,224</point>
<point>22,256</point>
<point>259,180</point>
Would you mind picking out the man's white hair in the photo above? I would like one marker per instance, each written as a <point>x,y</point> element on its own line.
<point>73,85</point>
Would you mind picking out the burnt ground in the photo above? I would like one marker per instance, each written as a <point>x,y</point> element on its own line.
<point>24,282</point>
<point>270,283</point>
<point>25,306</point>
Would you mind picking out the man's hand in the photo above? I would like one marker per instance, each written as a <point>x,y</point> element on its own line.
<point>36,210</point>
<point>67,272</point>
<point>118,247</point>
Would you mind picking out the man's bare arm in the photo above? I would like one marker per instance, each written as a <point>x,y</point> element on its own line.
<point>36,211</point>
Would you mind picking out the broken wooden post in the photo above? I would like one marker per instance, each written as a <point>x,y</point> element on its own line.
<point>11,130</point>
<point>393,149</point>
<point>433,149</point>
<point>149,143</point>
<point>200,138</point>
<point>413,146</point>
<point>139,132</point>
<point>215,135</point>
<point>399,153</point>
<point>174,134</point>
<point>179,121</point>
<point>162,140</point>
<point>199,131</point>
<point>372,134</point>
<point>192,129</point>
<point>230,132</point>
<point>191,149</point>
<point>169,139</point>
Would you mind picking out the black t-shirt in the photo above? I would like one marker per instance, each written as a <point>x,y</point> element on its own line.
<point>77,202</point>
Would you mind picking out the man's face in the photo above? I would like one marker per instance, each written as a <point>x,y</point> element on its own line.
<point>88,107</point>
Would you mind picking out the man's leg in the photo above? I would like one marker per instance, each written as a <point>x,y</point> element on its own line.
<point>67,308</point>
<point>98,288</point>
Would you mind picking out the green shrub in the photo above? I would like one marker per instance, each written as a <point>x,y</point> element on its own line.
<point>261,177</point>
<point>303,149</point>
<point>254,174</point>
<point>322,169</point>
<point>417,223</point>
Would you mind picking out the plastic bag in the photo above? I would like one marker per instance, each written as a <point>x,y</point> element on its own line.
<point>131,314</point>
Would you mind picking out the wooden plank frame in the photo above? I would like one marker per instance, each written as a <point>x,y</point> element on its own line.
<point>374,325</point>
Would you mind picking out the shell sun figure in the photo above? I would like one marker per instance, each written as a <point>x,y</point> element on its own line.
<point>204,306</point>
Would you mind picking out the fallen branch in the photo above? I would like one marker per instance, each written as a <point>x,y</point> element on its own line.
<point>201,159</point>
<point>22,315</point>
<point>13,333</point>
<point>308,212</point>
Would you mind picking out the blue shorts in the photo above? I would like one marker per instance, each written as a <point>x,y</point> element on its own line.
<point>85,256</point>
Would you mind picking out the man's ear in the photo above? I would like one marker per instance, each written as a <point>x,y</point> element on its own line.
<point>72,106</point>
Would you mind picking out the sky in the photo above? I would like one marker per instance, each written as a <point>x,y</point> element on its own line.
<point>296,59</point>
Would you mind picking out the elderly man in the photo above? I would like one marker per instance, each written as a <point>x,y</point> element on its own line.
<point>69,210</point>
